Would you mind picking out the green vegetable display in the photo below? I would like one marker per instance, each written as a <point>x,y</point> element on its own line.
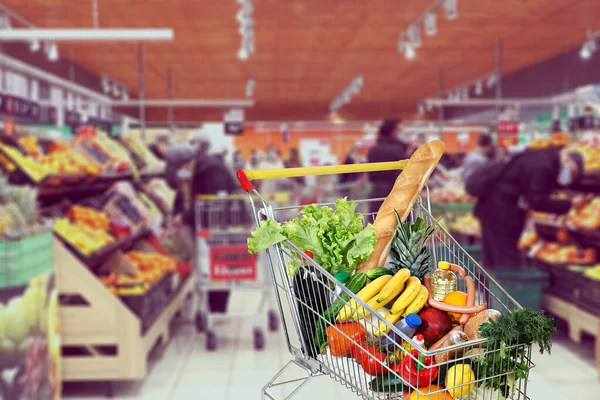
<point>503,354</point>
<point>337,238</point>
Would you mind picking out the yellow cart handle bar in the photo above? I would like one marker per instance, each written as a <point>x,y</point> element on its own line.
<point>245,176</point>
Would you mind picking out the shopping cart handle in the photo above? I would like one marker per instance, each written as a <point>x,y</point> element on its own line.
<point>245,176</point>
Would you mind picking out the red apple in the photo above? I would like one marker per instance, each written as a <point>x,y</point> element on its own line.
<point>436,324</point>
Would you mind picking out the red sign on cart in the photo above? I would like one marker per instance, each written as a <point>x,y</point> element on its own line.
<point>232,263</point>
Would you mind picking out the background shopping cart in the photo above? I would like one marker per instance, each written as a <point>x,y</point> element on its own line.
<point>223,264</point>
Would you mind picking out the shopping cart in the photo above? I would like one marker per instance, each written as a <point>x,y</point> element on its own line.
<point>296,314</point>
<point>223,263</point>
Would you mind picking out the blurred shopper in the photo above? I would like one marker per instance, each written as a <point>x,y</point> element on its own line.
<point>211,176</point>
<point>387,148</point>
<point>506,189</point>
<point>484,152</point>
<point>294,161</point>
<point>256,158</point>
<point>348,180</point>
<point>237,161</point>
<point>271,161</point>
<point>161,145</point>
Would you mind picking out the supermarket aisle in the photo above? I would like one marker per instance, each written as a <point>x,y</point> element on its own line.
<point>186,371</point>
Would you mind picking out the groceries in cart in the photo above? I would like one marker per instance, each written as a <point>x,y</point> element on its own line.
<point>395,309</point>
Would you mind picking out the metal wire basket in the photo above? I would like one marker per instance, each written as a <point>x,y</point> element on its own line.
<point>302,312</point>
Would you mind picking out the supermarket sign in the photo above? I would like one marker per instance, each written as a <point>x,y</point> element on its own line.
<point>508,127</point>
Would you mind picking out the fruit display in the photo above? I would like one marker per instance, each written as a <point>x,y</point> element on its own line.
<point>84,238</point>
<point>555,253</point>
<point>19,209</point>
<point>30,342</point>
<point>69,162</point>
<point>588,217</point>
<point>466,224</point>
<point>159,189</point>
<point>150,162</point>
<point>152,261</point>
<point>90,217</point>
<point>450,194</point>
<point>528,239</point>
<point>105,151</point>
<point>28,164</point>
<point>591,156</point>
<point>557,140</point>
<point>31,145</point>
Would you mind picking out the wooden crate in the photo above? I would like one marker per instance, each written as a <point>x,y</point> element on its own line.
<point>102,321</point>
<point>579,321</point>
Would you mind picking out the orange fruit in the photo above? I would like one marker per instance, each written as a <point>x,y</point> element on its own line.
<point>426,396</point>
<point>455,299</point>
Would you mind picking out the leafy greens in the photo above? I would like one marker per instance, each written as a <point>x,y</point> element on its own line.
<point>336,238</point>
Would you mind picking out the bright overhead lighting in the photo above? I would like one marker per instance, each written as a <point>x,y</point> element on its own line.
<point>421,109</point>
<point>52,51</point>
<point>5,21</point>
<point>478,88</point>
<point>409,52</point>
<point>243,54</point>
<point>491,81</point>
<point>34,46</point>
<point>585,52</point>
<point>250,85</point>
<point>83,35</point>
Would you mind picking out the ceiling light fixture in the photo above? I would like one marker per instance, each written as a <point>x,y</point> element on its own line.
<point>34,45</point>
<point>411,38</point>
<point>430,24</point>
<point>409,52</point>
<point>478,88</point>
<point>85,35</point>
<point>451,9</point>
<point>250,86</point>
<point>589,47</point>
<point>52,51</point>
<point>345,97</point>
<point>246,29</point>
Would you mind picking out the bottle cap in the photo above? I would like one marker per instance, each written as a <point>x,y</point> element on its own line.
<point>342,277</point>
<point>310,254</point>
<point>413,320</point>
<point>419,338</point>
<point>444,265</point>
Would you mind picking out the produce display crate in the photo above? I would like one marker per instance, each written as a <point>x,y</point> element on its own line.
<point>149,305</point>
<point>547,230</point>
<point>589,295</point>
<point>24,258</point>
<point>103,340</point>
<point>526,285</point>
<point>564,282</point>
<point>586,237</point>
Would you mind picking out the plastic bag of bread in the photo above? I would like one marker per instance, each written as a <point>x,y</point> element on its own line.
<point>454,337</point>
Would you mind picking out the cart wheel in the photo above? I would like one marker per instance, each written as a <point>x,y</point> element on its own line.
<point>259,339</point>
<point>200,322</point>
<point>211,341</point>
<point>273,321</point>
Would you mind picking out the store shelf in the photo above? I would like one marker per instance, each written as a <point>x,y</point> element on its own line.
<point>103,335</point>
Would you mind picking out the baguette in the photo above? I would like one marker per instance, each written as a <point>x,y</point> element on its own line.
<point>403,196</point>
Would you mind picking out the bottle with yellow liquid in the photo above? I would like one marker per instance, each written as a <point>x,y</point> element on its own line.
<point>443,281</point>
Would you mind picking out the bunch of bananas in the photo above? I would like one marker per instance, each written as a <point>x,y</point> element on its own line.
<point>407,293</point>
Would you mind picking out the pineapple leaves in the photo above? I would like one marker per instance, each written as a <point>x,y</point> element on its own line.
<point>409,247</point>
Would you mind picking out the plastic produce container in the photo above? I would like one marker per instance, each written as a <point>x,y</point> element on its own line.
<point>25,258</point>
<point>525,285</point>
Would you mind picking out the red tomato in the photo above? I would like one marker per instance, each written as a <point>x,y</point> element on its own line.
<point>371,359</point>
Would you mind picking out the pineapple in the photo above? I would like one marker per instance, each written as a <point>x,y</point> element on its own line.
<point>26,198</point>
<point>409,249</point>
<point>16,216</point>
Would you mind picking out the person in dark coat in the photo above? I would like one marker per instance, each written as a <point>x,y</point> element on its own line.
<point>211,176</point>
<point>387,148</point>
<point>161,145</point>
<point>526,183</point>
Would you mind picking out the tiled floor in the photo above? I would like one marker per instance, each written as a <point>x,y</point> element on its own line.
<point>185,371</point>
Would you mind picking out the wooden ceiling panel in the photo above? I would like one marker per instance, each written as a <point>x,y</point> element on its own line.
<point>309,50</point>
